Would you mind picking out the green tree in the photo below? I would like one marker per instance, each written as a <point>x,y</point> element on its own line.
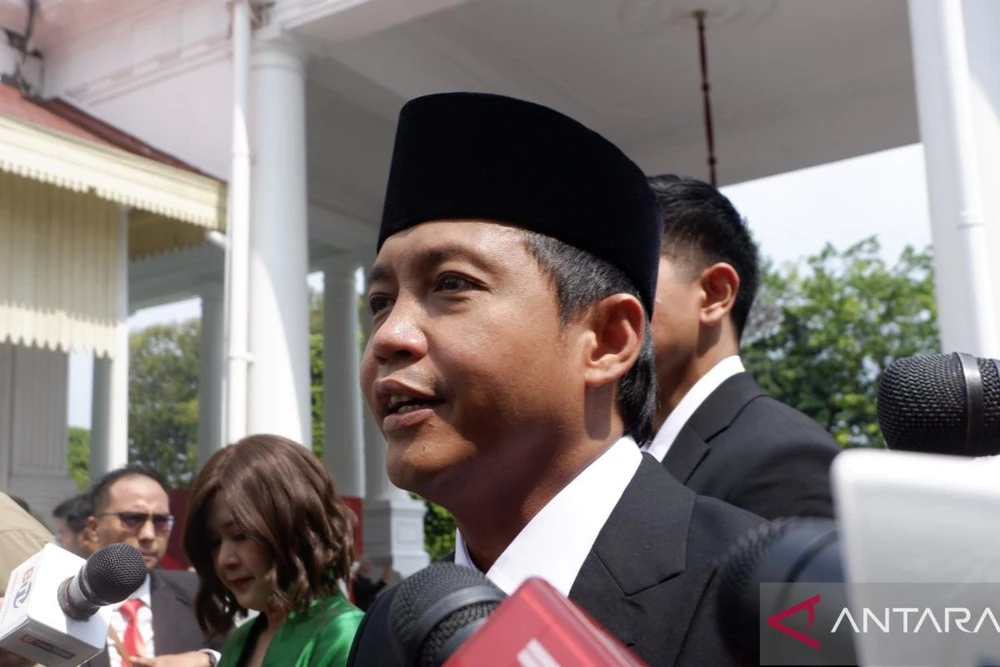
<point>163,400</point>
<point>844,316</point>
<point>79,456</point>
<point>316,391</point>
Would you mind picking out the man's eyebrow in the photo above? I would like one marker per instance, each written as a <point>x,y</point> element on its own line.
<point>375,273</point>
<point>435,256</point>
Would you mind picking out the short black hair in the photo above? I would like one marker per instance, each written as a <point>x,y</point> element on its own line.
<point>582,279</point>
<point>75,511</point>
<point>701,225</point>
<point>102,489</point>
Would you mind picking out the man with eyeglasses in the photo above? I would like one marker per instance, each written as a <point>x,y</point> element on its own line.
<point>157,624</point>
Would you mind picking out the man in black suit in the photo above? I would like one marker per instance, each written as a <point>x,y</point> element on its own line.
<point>157,623</point>
<point>510,366</point>
<point>717,432</point>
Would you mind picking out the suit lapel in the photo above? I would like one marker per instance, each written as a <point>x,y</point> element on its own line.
<point>685,454</point>
<point>712,417</point>
<point>167,607</point>
<point>635,553</point>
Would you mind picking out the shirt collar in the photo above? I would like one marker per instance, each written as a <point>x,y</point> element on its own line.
<point>689,404</point>
<point>557,540</point>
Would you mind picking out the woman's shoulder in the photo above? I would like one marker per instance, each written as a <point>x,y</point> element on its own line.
<point>337,613</point>
<point>334,622</point>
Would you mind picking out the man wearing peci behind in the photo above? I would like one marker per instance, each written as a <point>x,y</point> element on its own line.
<point>510,366</point>
<point>156,623</point>
<point>717,431</point>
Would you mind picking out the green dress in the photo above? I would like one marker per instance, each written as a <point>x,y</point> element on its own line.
<point>318,637</point>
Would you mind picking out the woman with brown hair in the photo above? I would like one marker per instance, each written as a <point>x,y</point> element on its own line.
<point>266,531</point>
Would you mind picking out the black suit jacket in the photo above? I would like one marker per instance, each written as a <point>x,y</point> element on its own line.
<point>747,449</point>
<point>650,578</point>
<point>175,629</point>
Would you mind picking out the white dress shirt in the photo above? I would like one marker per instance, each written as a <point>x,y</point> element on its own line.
<point>688,405</point>
<point>119,623</point>
<point>557,540</point>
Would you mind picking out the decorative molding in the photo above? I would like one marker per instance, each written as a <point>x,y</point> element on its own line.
<point>138,49</point>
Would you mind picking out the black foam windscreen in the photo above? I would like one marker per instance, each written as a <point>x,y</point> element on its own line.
<point>924,405</point>
<point>434,606</point>
<point>112,574</point>
<point>783,552</point>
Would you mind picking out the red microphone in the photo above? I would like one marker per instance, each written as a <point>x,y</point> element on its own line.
<point>538,626</point>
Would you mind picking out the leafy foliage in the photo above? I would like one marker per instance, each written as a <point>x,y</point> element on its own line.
<point>844,316</point>
<point>79,456</point>
<point>163,400</point>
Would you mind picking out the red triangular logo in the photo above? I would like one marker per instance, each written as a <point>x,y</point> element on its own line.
<point>810,607</point>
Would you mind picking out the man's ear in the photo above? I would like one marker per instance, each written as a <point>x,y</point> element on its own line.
<point>719,286</point>
<point>616,326</point>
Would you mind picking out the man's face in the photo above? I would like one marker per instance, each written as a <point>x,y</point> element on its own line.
<point>81,543</point>
<point>468,369</point>
<point>135,515</point>
<point>675,323</point>
<point>67,538</point>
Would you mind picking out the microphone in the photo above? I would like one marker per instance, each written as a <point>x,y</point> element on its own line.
<point>453,616</point>
<point>941,404</point>
<point>915,539</point>
<point>55,611</point>
<point>438,608</point>
<point>108,577</point>
<point>764,576</point>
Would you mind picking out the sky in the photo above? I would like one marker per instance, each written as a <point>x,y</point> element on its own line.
<point>792,216</point>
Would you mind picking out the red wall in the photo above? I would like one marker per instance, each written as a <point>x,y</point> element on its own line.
<point>175,559</point>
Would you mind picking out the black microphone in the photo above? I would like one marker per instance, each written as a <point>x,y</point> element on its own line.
<point>108,577</point>
<point>435,610</point>
<point>782,555</point>
<point>941,404</point>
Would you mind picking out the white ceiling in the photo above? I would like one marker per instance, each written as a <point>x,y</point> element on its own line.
<point>794,82</point>
<point>630,70</point>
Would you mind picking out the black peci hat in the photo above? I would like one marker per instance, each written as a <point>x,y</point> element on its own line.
<point>461,156</point>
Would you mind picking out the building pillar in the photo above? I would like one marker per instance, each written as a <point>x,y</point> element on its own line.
<point>211,372</point>
<point>109,407</point>
<point>344,447</point>
<point>954,58</point>
<point>393,520</point>
<point>279,383</point>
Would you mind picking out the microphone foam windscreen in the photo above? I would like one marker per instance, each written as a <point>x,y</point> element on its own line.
<point>922,405</point>
<point>738,588</point>
<point>419,593</point>
<point>112,574</point>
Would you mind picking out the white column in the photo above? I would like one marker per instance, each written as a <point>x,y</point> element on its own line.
<point>959,130</point>
<point>279,391</point>
<point>237,267</point>
<point>393,521</point>
<point>109,408</point>
<point>37,447</point>
<point>344,449</point>
<point>211,372</point>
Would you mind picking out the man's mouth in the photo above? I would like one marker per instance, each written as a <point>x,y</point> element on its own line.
<point>404,404</point>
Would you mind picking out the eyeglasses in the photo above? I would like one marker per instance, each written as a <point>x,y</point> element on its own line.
<point>162,523</point>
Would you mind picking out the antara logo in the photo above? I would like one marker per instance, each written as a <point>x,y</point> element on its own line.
<point>809,606</point>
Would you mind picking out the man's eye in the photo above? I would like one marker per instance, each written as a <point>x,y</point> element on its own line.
<point>377,303</point>
<point>450,281</point>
